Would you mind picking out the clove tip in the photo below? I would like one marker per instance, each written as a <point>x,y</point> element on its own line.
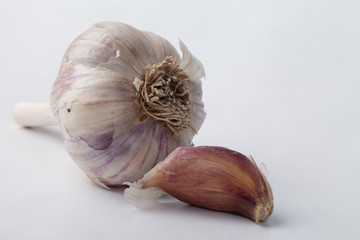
<point>263,212</point>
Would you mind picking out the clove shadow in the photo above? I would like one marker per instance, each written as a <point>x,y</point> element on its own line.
<point>273,221</point>
<point>168,204</point>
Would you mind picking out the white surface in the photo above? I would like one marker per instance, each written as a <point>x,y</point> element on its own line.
<point>283,84</point>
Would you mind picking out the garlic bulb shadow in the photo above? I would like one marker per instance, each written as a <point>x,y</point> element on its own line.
<point>50,133</point>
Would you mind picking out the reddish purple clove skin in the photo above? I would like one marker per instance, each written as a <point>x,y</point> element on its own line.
<point>215,178</point>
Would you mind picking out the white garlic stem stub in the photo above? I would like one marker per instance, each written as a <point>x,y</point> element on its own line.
<point>124,100</point>
<point>33,114</point>
<point>210,177</point>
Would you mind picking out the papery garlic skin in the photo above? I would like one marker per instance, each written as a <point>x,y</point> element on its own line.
<point>94,100</point>
<point>211,177</point>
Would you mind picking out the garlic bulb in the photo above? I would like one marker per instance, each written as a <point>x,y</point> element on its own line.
<point>124,100</point>
<point>210,177</point>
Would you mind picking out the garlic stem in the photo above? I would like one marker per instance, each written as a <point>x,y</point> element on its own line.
<point>33,114</point>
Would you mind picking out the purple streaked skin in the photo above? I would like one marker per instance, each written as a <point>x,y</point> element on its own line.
<point>126,150</point>
<point>215,178</point>
<point>120,146</point>
<point>110,149</point>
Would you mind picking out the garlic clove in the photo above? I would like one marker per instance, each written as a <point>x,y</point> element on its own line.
<point>211,177</point>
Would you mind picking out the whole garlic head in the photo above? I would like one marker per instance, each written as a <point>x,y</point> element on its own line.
<point>125,100</point>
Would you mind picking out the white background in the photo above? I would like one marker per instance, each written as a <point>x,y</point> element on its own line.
<point>282,83</point>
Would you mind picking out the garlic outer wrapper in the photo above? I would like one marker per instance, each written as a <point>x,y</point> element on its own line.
<point>125,99</point>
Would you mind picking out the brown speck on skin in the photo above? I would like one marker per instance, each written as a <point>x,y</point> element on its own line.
<point>68,110</point>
